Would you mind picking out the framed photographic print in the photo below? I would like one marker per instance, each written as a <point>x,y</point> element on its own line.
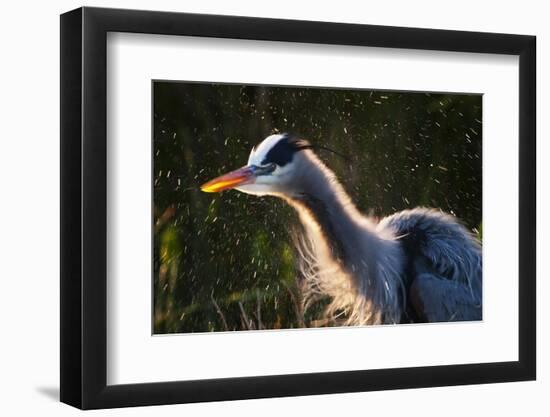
<point>257,208</point>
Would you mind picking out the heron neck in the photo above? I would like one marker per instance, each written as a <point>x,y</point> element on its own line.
<point>366,257</point>
<point>326,210</point>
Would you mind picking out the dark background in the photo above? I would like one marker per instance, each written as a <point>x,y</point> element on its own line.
<point>225,261</point>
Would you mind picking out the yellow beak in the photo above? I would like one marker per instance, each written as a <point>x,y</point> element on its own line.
<point>244,175</point>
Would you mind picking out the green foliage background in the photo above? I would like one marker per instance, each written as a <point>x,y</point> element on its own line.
<point>225,261</point>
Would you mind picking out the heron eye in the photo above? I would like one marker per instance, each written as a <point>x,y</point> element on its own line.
<point>266,169</point>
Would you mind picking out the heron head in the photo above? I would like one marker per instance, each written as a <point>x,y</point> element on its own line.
<point>271,169</point>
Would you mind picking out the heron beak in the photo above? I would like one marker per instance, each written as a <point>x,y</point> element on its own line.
<point>241,176</point>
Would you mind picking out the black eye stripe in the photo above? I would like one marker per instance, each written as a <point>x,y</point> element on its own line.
<point>283,152</point>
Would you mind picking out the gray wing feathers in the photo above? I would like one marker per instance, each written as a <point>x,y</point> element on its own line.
<point>447,284</point>
<point>436,299</point>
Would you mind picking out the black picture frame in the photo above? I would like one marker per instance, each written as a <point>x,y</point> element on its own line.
<point>84,207</point>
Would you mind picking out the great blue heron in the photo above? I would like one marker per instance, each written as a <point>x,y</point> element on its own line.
<point>417,265</point>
